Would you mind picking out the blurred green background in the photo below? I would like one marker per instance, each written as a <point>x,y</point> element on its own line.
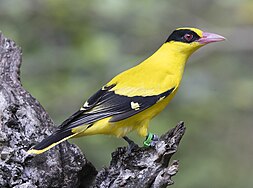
<point>71,48</point>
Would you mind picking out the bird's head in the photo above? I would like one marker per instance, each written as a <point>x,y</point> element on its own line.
<point>187,40</point>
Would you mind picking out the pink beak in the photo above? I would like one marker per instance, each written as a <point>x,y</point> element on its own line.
<point>210,37</point>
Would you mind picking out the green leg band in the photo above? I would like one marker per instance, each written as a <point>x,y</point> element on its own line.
<point>148,140</point>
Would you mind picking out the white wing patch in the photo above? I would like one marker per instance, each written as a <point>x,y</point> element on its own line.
<point>85,106</point>
<point>160,99</point>
<point>135,105</point>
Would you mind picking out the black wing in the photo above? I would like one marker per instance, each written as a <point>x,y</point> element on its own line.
<point>91,102</point>
<point>107,103</point>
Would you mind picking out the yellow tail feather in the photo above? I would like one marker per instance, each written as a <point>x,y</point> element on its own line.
<point>36,152</point>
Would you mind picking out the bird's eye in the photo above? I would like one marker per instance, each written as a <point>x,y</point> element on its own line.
<point>188,37</point>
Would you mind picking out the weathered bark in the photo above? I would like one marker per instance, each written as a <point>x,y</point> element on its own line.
<point>143,167</point>
<point>24,122</point>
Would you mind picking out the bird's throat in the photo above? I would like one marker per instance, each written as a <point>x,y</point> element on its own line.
<point>170,59</point>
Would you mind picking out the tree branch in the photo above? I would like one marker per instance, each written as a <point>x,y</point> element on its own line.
<point>143,167</point>
<point>24,122</point>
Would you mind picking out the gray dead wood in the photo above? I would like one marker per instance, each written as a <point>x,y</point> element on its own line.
<point>24,122</point>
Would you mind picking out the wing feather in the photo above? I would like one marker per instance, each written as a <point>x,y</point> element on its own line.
<point>106,103</point>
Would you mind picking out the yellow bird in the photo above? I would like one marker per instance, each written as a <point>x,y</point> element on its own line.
<point>132,98</point>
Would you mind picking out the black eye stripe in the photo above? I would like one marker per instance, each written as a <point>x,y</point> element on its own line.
<point>178,35</point>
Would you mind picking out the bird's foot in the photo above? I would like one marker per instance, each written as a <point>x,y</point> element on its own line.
<point>151,140</point>
<point>131,144</point>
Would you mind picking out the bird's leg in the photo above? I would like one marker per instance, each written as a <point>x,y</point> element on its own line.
<point>151,140</point>
<point>131,144</point>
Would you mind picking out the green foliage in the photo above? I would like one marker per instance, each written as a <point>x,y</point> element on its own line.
<point>71,48</point>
